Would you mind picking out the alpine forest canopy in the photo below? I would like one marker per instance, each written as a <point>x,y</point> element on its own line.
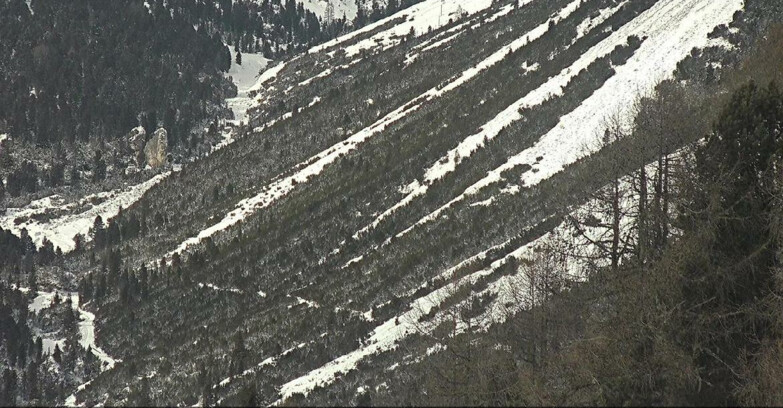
<point>83,69</point>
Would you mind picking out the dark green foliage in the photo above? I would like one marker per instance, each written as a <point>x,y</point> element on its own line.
<point>63,74</point>
<point>737,170</point>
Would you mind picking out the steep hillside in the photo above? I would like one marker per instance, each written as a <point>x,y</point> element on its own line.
<point>374,187</point>
<point>382,172</point>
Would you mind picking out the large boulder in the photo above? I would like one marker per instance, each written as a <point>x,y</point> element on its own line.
<point>157,148</point>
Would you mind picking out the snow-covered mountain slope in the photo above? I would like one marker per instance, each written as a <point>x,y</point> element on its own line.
<point>384,179</point>
<point>339,8</point>
<point>52,219</point>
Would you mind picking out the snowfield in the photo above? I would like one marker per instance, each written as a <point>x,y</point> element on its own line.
<point>244,77</point>
<point>346,8</point>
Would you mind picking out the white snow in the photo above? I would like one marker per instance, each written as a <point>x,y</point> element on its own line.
<point>353,261</point>
<point>49,345</point>
<point>244,77</point>
<point>341,8</point>
<point>591,23</point>
<point>219,289</point>
<point>454,32</point>
<point>303,301</point>
<point>267,76</point>
<point>429,14</point>
<point>87,333</point>
<point>673,28</point>
<point>41,302</point>
<point>61,230</point>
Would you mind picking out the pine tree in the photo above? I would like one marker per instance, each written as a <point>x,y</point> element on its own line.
<point>39,349</point>
<point>98,167</point>
<point>57,355</point>
<point>238,355</point>
<point>9,388</point>
<point>239,58</point>
<point>98,232</point>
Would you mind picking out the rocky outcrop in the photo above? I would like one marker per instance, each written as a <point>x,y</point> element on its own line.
<point>156,148</point>
<point>136,139</point>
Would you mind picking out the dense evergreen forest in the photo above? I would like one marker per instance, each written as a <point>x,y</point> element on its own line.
<point>90,69</point>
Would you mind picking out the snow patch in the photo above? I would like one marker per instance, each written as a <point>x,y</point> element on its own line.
<point>418,19</point>
<point>244,77</point>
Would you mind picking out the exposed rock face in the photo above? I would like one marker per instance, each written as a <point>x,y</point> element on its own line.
<point>136,139</point>
<point>157,148</point>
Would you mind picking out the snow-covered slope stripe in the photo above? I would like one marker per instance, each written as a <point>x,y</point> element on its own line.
<point>266,76</point>
<point>673,28</point>
<point>602,16</point>
<point>418,18</point>
<point>302,172</point>
<point>386,336</point>
<point>553,87</point>
<point>61,230</point>
<point>452,33</point>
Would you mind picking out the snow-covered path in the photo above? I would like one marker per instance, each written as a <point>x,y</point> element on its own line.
<point>44,300</point>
